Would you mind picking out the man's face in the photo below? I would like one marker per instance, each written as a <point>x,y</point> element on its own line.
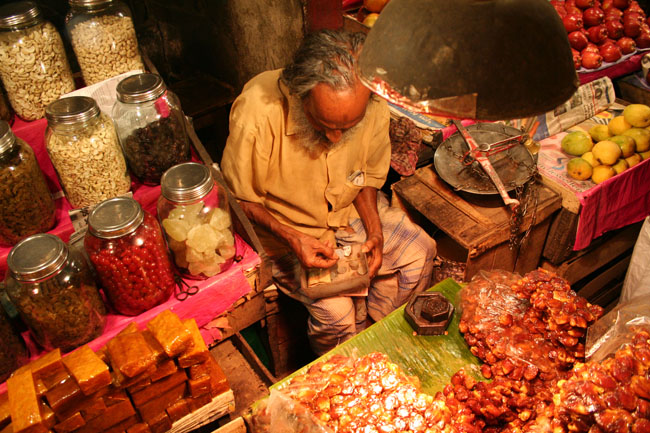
<point>332,114</point>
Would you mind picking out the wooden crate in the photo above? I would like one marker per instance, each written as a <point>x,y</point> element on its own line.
<point>471,233</point>
<point>597,272</point>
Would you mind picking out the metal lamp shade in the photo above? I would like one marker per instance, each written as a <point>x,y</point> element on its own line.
<point>479,59</point>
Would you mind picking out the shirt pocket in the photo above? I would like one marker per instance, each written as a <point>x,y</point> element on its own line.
<point>349,192</point>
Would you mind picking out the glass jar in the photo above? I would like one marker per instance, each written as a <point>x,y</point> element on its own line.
<point>126,246</point>
<point>85,151</point>
<point>52,289</point>
<point>193,211</point>
<point>33,65</point>
<point>103,38</point>
<point>13,352</point>
<point>151,126</point>
<point>26,206</point>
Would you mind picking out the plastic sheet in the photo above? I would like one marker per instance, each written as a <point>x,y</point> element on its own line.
<point>617,328</point>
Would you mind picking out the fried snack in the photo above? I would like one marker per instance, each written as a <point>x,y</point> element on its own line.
<point>178,410</point>
<point>23,403</point>
<point>153,408</point>
<point>88,370</point>
<point>158,351</point>
<point>198,352</point>
<point>70,424</point>
<point>156,389</point>
<point>43,366</point>
<point>170,332</point>
<point>130,354</point>
<point>164,369</point>
<point>113,415</point>
<point>64,396</point>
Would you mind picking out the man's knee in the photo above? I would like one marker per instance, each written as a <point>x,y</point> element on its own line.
<point>325,336</point>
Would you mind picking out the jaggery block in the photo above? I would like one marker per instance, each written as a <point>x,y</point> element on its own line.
<point>43,366</point>
<point>121,381</point>
<point>218,381</point>
<point>178,410</point>
<point>5,411</point>
<point>64,395</point>
<point>112,416</point>
<point>160,423</point>
<point>140,427</point>
<point>199,386</point>
<point>170,332</point>
<point>164,369</point>
<point>154,407</point>
<point>199,351</point>
<point>55,378</point>
<point>130,354</point>
<point>87,369</point>
<point>198,402</point>
<point>158,351</point>
<point>70,424</point>
<point>129,329</point>
<point>115,397</point>
<point>89,407</point>
<point>156,389</point>
<point>47,415</point>
<point>7,429</point>
<point>140,385</point>
<point>23,403</point>
<point>123,425</point>
<point>199,370</point>
<point>41,389</point>
<point>103,355</point>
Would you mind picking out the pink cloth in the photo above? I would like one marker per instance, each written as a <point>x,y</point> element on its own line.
<point>624,67</point>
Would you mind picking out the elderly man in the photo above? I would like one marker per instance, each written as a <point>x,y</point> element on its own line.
<point>308,151</point>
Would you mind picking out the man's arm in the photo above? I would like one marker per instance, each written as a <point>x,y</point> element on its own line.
<point>311,252</point>
<point>366,205</point>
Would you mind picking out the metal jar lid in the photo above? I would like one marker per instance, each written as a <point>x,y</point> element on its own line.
<point>186,182</point>
<point>72,110</point>
<point>115,217</point>
<point>19,13</point>
<point>140,88</point>
<point>37,257</point>
<point>88,3</point>
<point>7,138</point>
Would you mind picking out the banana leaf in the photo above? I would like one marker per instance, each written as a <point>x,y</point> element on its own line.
<point>432,358</point>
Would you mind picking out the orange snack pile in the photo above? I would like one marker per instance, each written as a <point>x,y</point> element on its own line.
<point>130,385</point>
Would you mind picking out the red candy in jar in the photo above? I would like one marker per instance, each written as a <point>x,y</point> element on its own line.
<point>126,246</point>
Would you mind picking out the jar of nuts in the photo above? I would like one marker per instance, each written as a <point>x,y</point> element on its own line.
<point>26,206</point>
<point>127,248</point>
<point>151,126</point>
<point>85,151</point>
<point>33,65</point>
<point>103,39</point>
<point>54,293</point>
<point>194,214</point>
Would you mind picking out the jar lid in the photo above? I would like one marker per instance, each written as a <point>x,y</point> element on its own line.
<point>115,217</point>
<point>83,3</point>
<point>7,138</point>
<point>71,110</point>
<point>14,14</point>
<point>186,182</point>
<point>37,257</point>
<point>140,88</point>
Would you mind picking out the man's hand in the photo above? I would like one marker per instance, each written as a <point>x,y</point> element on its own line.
<point>374,247</point>
<point>311,252</point>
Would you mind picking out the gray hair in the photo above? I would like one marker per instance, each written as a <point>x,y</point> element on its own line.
<point>326,56</point>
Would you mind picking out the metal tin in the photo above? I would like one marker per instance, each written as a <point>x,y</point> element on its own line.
<point>140,88</point>
<point>37,257</point>
<point>19,14</point>
<point>74,110</point>
<point>186,182</point>
<point>115,217</point>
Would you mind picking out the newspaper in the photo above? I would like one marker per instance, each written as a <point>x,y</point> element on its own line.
<point>586,102</point>
<point>103,92</point>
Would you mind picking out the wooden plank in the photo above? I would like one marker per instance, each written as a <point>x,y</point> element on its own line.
<point>221,405</point>
<point>617,270</point>
<point>577,268</point>
<point>530,251</point>
<point>607,298</point>
<point>235,426</point>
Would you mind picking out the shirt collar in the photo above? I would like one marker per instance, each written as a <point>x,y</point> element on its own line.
<point>291,104</point>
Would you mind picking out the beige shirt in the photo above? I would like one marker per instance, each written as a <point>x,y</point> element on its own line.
<point>264,163</point>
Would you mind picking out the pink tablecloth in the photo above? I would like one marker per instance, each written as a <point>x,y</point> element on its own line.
<point>622,200</point>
